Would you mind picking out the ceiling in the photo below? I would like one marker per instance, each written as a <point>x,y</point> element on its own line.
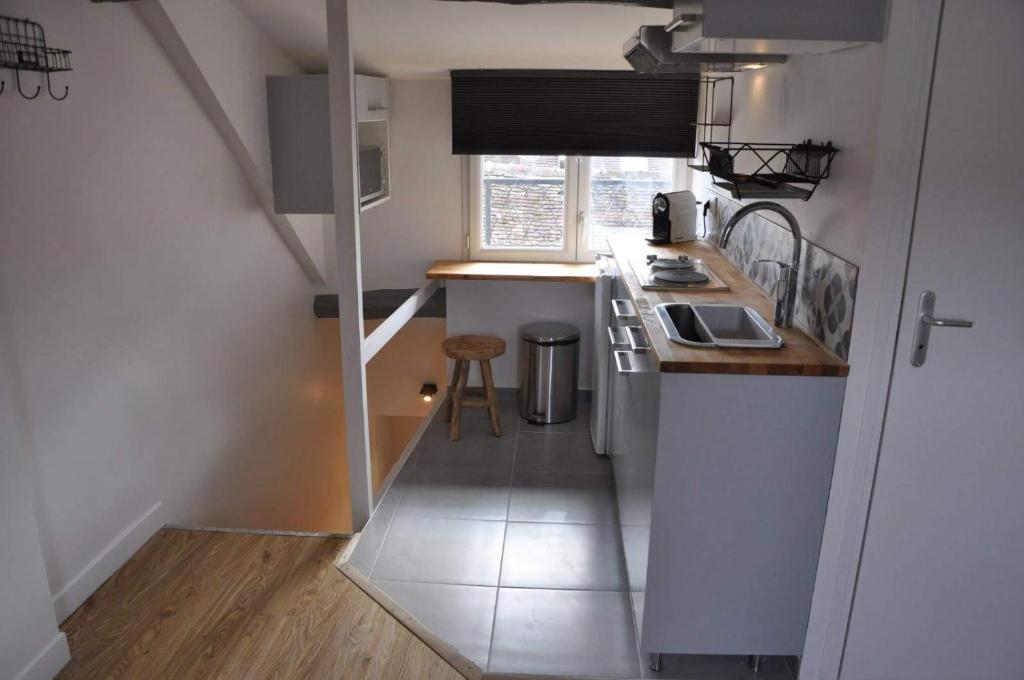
<point>427,38</point>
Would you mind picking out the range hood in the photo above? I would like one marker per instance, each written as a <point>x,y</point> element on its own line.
<point>776,27</point>
<point>649,51</point>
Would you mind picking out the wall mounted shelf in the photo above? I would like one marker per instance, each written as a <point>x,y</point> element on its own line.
<point>23,48</point>
<point>776,168</point>
<point>716,113</point>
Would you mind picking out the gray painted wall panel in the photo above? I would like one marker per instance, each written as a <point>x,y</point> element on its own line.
<point>842,20</point>
<point>300,149</point>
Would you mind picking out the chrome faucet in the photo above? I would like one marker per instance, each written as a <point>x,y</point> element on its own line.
<point>785,290</point>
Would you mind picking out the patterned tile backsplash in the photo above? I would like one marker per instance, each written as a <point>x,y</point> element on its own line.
<point>828,284</point>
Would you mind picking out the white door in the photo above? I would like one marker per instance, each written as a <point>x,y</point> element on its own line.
<point>940,593</point>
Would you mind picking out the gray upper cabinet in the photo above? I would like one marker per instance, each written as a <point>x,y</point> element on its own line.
<point>300,144</point>
<point>300,137</point>
<point>778,27</point>
<point>373,99</point>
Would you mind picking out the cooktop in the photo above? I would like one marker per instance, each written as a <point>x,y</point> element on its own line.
<point>680,273</point>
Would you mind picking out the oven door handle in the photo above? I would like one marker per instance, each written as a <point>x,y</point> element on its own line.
<point>623,363</point>
<point>637,339</point>
<point>615,337</point>
<point>624,309</point>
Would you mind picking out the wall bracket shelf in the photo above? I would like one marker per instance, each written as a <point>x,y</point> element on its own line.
<point>23,48</point>
<point>715,124</point>
<point>777,168</point>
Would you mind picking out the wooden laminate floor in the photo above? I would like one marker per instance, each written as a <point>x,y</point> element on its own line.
<point>193,604</point>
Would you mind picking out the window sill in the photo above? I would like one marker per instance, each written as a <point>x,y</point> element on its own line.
<point>463,270</point>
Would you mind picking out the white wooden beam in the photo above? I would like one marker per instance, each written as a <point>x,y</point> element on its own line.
<point>165,32</point>
<point>344,148</point>
<point>383,333</point>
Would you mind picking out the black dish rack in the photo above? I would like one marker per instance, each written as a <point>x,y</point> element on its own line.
<point>23,48</point>
<point>779,170</point>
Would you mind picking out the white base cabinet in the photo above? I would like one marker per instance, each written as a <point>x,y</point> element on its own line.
<point>722,483</point>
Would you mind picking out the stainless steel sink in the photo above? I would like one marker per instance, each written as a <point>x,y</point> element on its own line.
<point>717,325</point>
<point>682,325</point>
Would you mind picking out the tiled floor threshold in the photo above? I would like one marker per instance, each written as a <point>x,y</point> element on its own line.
<point>505,556</point>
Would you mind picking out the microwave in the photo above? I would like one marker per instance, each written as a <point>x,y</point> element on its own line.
<point>371,173</point>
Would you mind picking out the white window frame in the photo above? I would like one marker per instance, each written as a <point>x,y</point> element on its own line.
<point>680,181</point>
<point>577,203</point>
<point>477,249</point>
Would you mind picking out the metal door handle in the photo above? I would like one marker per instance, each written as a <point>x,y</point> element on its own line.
<point>637,341</point>
<point>623,309</point>
<point>624,363</point>
<point>946,323</point>
<point>615,338</point>
<point>925,321</point>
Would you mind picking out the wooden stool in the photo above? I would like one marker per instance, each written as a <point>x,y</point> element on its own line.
<point>465,349</point>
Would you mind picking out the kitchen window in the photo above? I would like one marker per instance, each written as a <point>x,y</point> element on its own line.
<point>561,208</point>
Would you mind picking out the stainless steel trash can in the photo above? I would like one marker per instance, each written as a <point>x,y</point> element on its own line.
<point>549,360</point>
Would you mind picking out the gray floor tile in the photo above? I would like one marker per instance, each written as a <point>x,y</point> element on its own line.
<point>475,449</point>
<point>707,667</point>
<point>510,394</point>
<point>567,632</point>
<point>559,453</point>
<point>372,536</point>
<point>454,493</point>
<point>461,615</point>
<point>431,550</point>
<point>477,421</point>
<point>572,556</point>
<point>560,497</point>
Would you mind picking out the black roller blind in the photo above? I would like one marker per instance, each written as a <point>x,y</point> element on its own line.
<point>586,113</point>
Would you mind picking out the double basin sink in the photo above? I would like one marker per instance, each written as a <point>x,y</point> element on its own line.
<point>717,325</point>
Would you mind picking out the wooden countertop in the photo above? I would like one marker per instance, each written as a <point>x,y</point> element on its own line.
<point>513,271</point>
<point>800,354</point>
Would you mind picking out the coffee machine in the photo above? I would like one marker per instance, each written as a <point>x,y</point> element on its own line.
<point>674,216</point>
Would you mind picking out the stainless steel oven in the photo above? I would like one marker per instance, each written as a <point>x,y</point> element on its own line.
<point>616,329</point>
<point>371,173</point>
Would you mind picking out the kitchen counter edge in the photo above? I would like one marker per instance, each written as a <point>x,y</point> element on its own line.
<point>801,354</point>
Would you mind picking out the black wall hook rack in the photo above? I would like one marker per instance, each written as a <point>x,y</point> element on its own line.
<point>776,171</point>
<point>23,48</point>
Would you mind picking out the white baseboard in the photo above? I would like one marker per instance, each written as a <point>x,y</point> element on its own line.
<point>49,661</point>
<point>109,560</point>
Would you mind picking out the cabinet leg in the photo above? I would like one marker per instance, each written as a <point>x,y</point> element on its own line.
<point>654,661</point>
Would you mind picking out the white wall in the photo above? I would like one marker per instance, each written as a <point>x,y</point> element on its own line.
<point>501,308</point>
<point>237,75</point>
<point>396,374</point>
<point>825,97</point>
<point>164,333</point>
<point>29,640</point>
<point>234,58</point>
<point>423,220</point>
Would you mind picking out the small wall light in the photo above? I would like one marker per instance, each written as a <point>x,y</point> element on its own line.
<point>428,391</point>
